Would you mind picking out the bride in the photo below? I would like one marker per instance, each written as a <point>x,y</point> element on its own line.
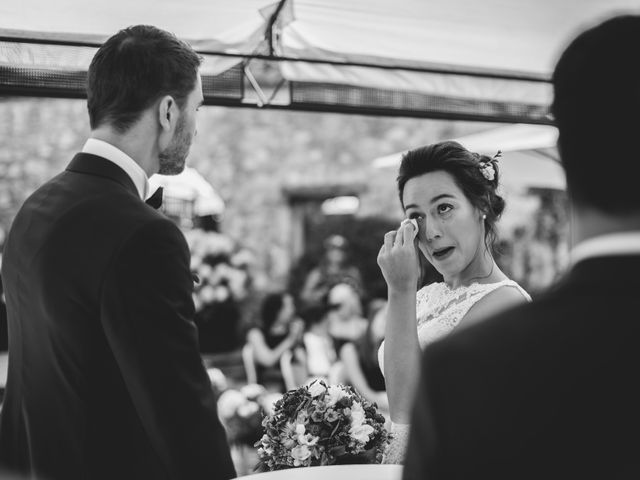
<point>451,207</point>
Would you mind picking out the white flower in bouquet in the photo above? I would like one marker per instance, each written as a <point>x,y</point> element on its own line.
<point>305,438</point>
<point>357,414</point>
<point>361,433</point>
<point>300,454</point>
<point>335,394</point>
<point>316,389</point>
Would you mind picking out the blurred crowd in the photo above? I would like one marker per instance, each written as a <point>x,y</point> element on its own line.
<point>330,329</point>
<point>327,325</point>
<point>537,253</point>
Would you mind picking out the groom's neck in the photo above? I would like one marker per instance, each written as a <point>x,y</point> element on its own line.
<point>138,143</point>
<point>588,222</point>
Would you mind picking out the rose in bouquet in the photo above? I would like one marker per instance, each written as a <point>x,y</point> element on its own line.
<point>321,425</point>
<point>241,412</point>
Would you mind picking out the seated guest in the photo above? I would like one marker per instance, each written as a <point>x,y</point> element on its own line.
<point>345,320</point>
<point>319,355</point>
<point>360,359</point>
<point>279,331</point>
<point>334,268</point>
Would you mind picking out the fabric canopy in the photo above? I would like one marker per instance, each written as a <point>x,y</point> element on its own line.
<point>529,157</point>
<point>488,60</point>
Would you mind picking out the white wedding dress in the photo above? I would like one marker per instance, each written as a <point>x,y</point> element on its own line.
<point>439,310</point>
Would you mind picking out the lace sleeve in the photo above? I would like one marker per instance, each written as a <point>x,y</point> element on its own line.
<point>397,447</point>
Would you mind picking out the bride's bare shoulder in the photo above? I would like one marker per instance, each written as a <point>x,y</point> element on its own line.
<point>498,300</point>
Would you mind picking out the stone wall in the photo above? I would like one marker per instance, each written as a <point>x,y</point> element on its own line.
<point>250,156</point>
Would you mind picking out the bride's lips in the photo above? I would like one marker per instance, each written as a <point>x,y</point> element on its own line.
<point>442,253</point>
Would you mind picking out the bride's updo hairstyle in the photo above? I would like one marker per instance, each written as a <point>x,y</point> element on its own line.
<point>476,175</point>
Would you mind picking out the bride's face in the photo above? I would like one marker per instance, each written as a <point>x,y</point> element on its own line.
<point>451,229</point>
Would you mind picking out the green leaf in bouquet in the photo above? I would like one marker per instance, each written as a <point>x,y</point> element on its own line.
<point>325,459</point>
<point>338,450</point>
<point>335,429</point>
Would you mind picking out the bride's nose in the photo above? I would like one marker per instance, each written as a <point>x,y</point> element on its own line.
<point>430,230</point>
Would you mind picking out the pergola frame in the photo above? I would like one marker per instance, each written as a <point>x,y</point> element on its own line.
<point>247,85</point>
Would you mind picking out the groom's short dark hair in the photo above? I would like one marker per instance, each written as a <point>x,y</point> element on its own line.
<point>597,110</point>
<point>134,68</point>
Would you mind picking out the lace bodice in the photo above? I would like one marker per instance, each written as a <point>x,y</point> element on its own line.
<point>439,310</point>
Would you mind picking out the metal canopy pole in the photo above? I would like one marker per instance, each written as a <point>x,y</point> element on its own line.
<point>439,69</point>
<point>272,21</point>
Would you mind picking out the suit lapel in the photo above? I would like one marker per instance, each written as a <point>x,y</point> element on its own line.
<point>94,165</point>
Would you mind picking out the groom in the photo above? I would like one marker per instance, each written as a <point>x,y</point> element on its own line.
<point>105,379</point>
<point>550,389</point>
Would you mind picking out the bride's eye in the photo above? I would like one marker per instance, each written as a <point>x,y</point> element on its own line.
<point>444,208</point>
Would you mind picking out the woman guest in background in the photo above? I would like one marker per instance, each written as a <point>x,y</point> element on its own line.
<point>451,207</point>
<point>360,359</point>
<point>280,331</point>
<point>345,320</point>
<point>319,354</point>
<point>334,268</point>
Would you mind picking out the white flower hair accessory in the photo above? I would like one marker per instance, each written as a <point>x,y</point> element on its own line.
<point>488,169</point>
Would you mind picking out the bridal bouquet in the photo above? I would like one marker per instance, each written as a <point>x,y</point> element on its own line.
<point>321,425</point>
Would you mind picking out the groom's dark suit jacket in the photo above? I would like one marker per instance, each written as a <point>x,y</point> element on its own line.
<point>105,378</point>
<point>548,390</point>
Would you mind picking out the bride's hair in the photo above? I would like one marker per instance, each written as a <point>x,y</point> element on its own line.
<point>476,175</point>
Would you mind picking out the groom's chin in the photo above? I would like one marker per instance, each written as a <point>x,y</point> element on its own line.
<point>171,168</point>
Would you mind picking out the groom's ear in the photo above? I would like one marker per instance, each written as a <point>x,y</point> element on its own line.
<point>167,113</point>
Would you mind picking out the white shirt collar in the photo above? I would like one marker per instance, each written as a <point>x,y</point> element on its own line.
<point>621,243</point>
<point>121,159</point>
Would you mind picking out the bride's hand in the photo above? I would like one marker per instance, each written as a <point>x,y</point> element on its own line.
<point>398,258</point>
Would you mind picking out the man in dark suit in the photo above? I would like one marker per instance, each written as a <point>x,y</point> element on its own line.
<point>550,389</point>
<point>105,379</point>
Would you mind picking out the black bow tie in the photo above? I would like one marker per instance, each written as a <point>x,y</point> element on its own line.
<point>155,200</point>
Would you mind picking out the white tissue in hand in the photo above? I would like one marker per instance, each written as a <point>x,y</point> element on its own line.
<point>412,221</point>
